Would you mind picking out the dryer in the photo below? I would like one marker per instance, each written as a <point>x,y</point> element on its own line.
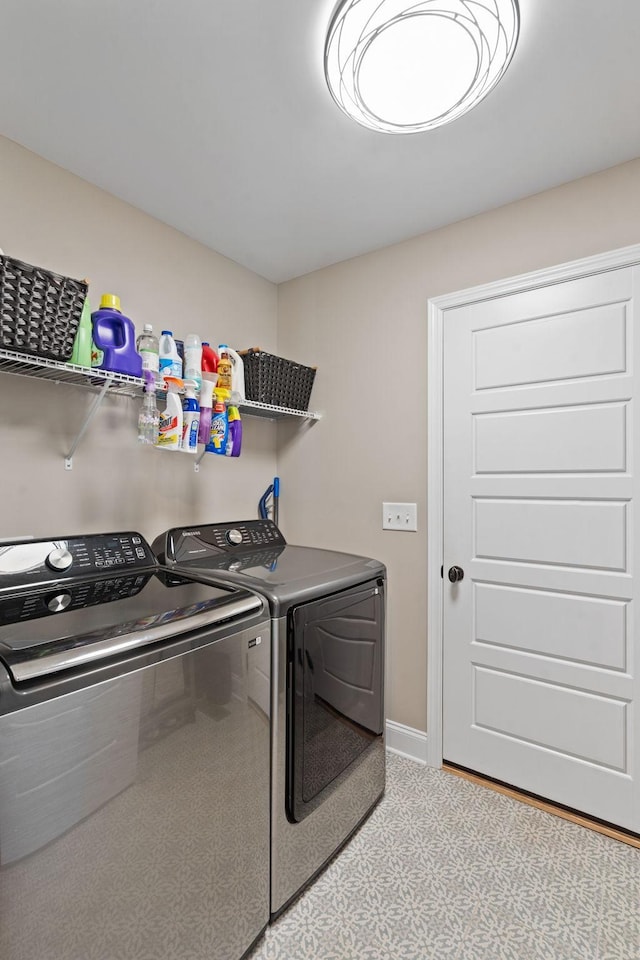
<point>327,682</point>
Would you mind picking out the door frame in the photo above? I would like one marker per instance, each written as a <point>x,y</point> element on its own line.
<point>437,309</point>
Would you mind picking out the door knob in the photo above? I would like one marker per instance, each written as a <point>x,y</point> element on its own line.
<point>455,574</point>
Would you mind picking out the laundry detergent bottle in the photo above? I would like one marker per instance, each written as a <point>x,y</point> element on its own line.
<point>190,418</point>
<point>115,335</point>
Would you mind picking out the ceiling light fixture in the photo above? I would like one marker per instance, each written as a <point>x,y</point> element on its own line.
<point>403,66</point>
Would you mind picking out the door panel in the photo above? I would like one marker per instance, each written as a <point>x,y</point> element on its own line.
<point>552,441</point>
<point>540,665</point>
<point>551,716</point>
<point>569,533</point>
<point>563,346</point>
<point>590,630</point>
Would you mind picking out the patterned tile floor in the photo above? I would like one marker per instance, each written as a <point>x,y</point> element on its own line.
<point>447,869</point>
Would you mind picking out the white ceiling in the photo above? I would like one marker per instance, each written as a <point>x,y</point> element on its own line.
<point>214,117</point>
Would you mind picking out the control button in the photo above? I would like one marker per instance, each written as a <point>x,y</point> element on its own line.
<point>234,537</point>
<point>60,559</point>
<point>136,540</point>
<point>140,552</point>
<point>59,602</point>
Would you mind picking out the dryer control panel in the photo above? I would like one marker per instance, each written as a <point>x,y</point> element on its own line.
<point>211,539</point>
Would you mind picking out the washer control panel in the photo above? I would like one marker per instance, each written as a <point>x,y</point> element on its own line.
<point>207,540</point>
<point>27,563</point>
<point>20,606</point>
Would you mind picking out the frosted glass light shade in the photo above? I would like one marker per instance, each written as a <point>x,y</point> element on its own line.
<point>403,67</point>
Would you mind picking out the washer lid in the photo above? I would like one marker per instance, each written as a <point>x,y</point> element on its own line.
<point>65,625</point>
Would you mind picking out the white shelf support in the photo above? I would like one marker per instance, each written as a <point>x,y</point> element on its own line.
<point>199,456</point>
<point>68,460</point>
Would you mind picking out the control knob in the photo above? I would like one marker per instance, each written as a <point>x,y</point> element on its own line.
<point>59,602</point>
<point>234,537</point>
<point>60,559</point>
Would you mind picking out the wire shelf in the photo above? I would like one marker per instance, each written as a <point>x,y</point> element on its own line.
<point>268,411</point>
<point>24,365</point>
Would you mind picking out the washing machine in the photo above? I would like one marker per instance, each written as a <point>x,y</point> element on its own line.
<point>134,756</point>
<point>327,683</point>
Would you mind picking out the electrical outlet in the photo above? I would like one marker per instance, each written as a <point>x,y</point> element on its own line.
<point>399,516</point>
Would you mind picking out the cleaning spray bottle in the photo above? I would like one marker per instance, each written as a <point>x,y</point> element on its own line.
<point>170,426</point>
<point>84,338</point>
<point>149,419</point>
<point>206,406</point>
<point>234,439</point>
<point>219,424</point>
<point>190,418</point>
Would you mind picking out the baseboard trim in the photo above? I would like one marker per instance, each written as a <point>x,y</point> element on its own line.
<point>406,742</point>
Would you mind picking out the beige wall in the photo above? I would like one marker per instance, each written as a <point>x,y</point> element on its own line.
<point>51,218</point>
<point>363,323</point>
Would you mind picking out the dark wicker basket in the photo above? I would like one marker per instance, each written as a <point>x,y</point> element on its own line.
<point>274,380</point>
<point>39,310</point>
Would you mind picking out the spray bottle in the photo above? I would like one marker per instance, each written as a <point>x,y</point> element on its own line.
<point>219,424</point>
<point>170,426</point>
<point>190,418</point>
<point>206,406</point>
<point>149,419</point>
<point>234,439</point>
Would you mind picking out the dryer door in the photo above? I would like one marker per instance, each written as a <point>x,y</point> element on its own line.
<point>335,690</point>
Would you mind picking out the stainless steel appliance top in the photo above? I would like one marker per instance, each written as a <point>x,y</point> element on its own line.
<point>254,553</point>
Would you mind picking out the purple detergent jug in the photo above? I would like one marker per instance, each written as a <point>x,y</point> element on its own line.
<point>115,335</point>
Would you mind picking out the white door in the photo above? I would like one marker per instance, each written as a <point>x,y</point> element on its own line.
<point>540,685</point>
